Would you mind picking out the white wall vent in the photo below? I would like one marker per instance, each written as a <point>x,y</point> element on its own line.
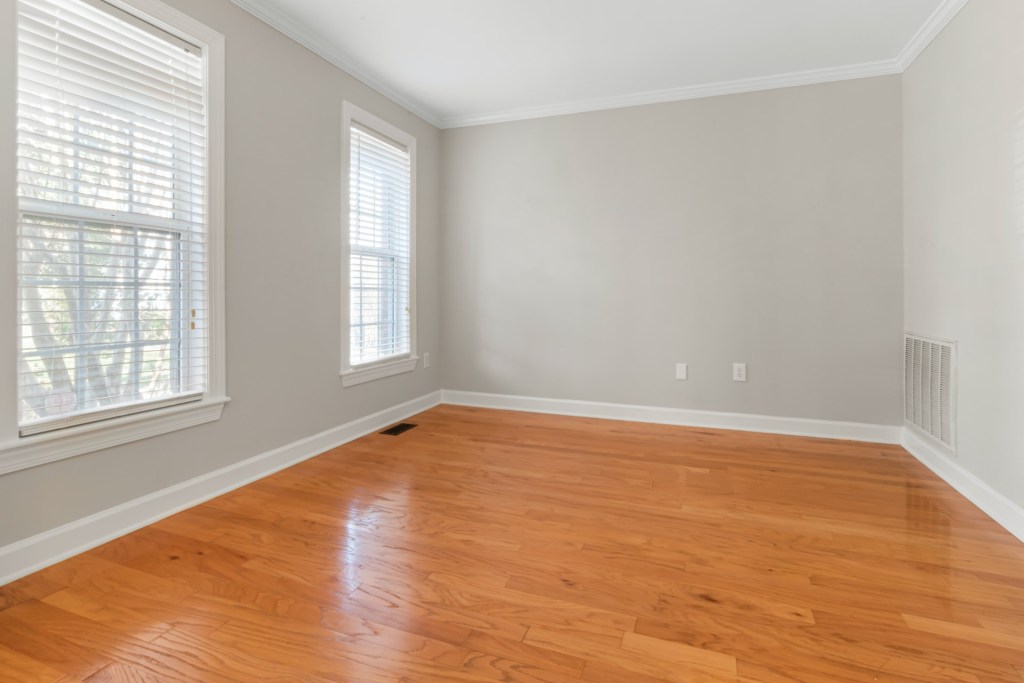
<point>929,391</point>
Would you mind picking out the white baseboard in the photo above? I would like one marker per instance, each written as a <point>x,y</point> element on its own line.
<point>36,552</point>
<point>1004,511</point>
<point>826,429</point>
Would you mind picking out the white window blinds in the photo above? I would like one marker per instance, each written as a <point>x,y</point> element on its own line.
<point>112,274</point>
<point>380,197</point>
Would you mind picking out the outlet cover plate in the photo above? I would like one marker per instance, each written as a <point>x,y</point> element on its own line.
<point>739,372</point>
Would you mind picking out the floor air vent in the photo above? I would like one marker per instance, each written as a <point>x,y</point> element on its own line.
<point>398,429</point>
<point>929,395</point>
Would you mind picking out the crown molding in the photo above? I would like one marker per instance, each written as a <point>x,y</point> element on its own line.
<point>929,31</point>
<point>276,19</point>
<point>844,73</point>
<point>269,14</point>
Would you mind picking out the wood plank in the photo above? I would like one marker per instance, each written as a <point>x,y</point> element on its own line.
<point>16,667</point>
<point>974,634</point>
<point>124,673</point>
<point>32,587</point>
<point>109,613</point>
<point>50,649</point>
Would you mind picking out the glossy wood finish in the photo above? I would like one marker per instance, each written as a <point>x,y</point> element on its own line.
<point>501,546</point>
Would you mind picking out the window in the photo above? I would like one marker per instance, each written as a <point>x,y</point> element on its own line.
<point>380,327</point>
<point>119,228</point>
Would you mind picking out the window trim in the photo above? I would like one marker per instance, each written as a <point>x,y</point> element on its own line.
<point>21,452</point>
<point>352,375</point>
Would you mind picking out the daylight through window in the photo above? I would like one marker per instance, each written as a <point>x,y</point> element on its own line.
<point>380,197</point>
<point>112,256</point>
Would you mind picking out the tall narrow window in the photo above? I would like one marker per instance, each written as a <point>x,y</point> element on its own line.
<point>112,233</point>
<point>380,196</point>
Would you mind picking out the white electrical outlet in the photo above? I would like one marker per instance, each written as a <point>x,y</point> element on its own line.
<point>680,370</point>
<point>426,359</point>
<point>739,372</point>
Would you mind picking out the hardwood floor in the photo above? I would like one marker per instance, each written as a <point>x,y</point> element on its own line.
<point>501,546</point>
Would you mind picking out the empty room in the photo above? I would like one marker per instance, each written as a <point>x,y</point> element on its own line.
<point>511,340</point>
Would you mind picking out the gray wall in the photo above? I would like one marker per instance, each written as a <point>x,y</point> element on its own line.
<point>283,278</point>
<point>964,224</point>
<point>583,256</point>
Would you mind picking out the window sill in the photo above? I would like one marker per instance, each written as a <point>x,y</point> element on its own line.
<point>39,449</point>
<point>378,371</point>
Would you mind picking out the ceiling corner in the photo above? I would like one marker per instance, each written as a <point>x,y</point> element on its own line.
<point>276,19</point>
<point>929,31</point>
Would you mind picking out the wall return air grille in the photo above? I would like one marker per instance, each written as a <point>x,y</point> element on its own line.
<point>929,392</point>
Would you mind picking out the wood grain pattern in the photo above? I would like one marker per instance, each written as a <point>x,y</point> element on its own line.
<point>502,546</point>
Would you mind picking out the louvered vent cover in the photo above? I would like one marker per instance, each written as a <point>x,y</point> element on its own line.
<point>400,428</point>
<point>928,393</point>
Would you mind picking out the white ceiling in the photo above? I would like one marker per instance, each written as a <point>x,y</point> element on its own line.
<point>463,62</point>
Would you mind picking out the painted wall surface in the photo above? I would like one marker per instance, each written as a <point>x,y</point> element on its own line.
<point>964,225</point>
<point>283,278</point>
<point>583,256</point>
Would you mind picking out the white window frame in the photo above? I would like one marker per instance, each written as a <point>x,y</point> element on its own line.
<point>352,375</point>
<point>18,453</point>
